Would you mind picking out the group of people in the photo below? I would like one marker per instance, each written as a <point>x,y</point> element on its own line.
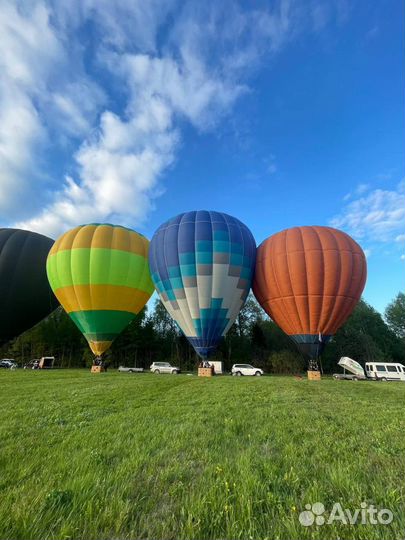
<point>204,364</point>
<point>98,361</point>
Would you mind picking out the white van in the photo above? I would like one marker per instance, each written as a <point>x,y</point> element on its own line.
<point>218,366</point>
<point>385,371</point>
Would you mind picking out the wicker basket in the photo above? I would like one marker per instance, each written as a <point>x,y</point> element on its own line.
<point>97,369</point>
<point>205,371</point>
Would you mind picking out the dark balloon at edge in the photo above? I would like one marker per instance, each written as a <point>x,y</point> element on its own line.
<point>25,295</point>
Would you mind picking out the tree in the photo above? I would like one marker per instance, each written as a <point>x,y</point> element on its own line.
<point>171,344</point>
<point>250,314</point>
<point>395,315</point>
<point>286,361</point>
<point>162,321</point>
<point>253,338</point>
<point>57,335</point>
<point>131,347</point>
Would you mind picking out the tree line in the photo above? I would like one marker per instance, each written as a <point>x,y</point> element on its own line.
<point>254,338</point>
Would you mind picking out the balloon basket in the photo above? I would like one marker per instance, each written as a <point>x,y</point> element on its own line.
<point>205,371</point>
<point>97,369</point>
<point>314,375</point>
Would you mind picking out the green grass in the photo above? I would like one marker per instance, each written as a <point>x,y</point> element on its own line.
<point>128,456</point>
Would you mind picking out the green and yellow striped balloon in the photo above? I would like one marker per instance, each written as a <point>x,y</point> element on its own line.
<point>100,275</point>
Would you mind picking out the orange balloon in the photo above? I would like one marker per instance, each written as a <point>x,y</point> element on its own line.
<point>308,280</point>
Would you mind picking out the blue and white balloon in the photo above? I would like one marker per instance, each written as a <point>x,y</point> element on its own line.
<point>202,265</point>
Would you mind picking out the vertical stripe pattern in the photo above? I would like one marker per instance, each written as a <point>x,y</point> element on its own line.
<point>202,266</point>
<point>309,279</point>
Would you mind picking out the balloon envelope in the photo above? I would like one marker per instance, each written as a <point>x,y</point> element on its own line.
<point>308,280</point>
<point>25,295</point>
<point>100,275</point>
<point>202,265</point>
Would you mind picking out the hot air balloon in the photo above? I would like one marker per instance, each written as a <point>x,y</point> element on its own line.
<point>25,295</point>
<point>308,280</point>
<point>202,265</point>
<point>100,275</point>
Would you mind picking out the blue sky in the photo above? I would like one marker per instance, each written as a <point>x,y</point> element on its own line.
<point>279,113</point>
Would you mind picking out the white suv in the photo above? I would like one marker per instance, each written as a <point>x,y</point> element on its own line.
<point>164,367</point>
<point>246,369</point>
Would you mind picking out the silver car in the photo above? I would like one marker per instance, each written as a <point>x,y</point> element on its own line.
<point>246,369</point>
<point>8,363</point>
<point>164,367</point>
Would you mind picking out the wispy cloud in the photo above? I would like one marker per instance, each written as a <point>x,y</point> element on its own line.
<point>323,13</point>
<point>110,84</point>
<point>377,216</point>
<point>28,49</point>
<point>119,152</point>
<point>372,33</point>
<point>359,190</point>
<point>45,96</point>
<point>362,188</point>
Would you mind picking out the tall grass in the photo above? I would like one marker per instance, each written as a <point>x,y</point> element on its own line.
<point>179,457</point>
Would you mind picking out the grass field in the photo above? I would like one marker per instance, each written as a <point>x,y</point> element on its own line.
<point>128,456</point>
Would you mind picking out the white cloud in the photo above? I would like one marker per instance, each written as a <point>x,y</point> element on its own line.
<point>27,50</point>
<point>44,96</point>
<point>119,170</point>
<point>402,257</point>
<point>119,163</point>
<point>119,167</point>
<point>110,85</point>
<point>122,24</point>
<point>75,107</point>
<point>400,238</point>
<point>28,44</point>
<point>378,216</point>
<point>185,86</point>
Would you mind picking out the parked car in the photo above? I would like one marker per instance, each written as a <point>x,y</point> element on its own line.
<point>164,367</point>
<point>32,364</point>
<point>8,363</point>
<point>246,369</point>
<point>385,371</point>
<point>130,369</point>
<point>46,362</point>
